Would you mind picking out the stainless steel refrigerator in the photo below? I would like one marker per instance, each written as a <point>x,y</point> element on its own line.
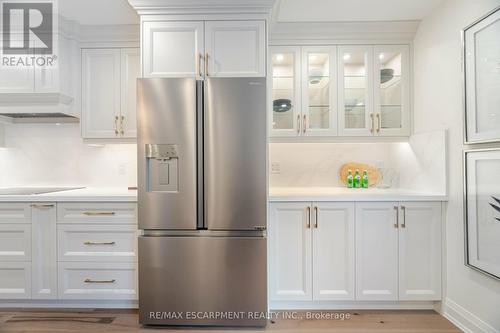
<point>202,201</point>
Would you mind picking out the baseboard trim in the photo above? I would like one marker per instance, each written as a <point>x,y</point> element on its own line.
<point>352,305</point>
<point>465,320</point>
<point>69,304</point>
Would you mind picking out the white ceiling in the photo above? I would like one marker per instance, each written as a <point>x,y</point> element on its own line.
<point>119,11</point>
<point>353,10</point>
<point>97,12</point>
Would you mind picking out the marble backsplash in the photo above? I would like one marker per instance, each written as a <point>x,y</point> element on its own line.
<point>419,164</point>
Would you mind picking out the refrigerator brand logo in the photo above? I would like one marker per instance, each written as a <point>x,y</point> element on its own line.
<point>28,28</point>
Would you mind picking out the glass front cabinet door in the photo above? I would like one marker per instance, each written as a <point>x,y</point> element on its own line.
<point>285,96</point>
<point>391,90</point>
<point>319,91</point>
<point>344,90</point>
<point>355,91</point>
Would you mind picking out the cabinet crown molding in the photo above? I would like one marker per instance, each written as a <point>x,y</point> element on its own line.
<point>166,7</point>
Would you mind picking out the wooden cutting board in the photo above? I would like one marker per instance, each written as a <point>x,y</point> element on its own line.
<point>374,175</point>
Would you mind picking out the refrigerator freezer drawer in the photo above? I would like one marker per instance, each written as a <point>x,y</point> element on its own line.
<point>202,280</point>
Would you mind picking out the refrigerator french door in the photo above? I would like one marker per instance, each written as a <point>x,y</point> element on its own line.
<point>202,201</point>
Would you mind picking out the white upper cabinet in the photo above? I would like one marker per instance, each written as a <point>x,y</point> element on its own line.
<point>377,251</point>
<point>355,90</point>
<point>17,79</point>
<point>333,251</point>
<point>319,91</point>
<point>100,93</point>
<point>420,251</point>
<point>109,92</point>
<point>130,71</point>
<point>172,49</point>
<point>56,78</point>
<point>290,262</point>
<point>204,48</point>
<point>391,90</point>
<point>284,82</point>
<point>235,48</point>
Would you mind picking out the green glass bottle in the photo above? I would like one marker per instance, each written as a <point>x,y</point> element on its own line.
<point>357,179</point>
<point>350,182</point>
<point>364,179</point>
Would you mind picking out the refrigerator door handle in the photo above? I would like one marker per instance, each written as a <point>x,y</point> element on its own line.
<point>200,96</point>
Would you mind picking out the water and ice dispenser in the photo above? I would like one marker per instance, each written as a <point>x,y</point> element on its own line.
<point>162,168</point>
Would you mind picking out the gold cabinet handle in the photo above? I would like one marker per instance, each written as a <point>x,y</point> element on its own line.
<point>206,63</point>
<point>99,281</point>
<point>99,243</point>
<point>298,124</point>
<point>99,213</point>
<point>122,120</point>
<point>379,123</point>
<point>116,126</point>
<point>372,129</point>
<point>316,217</point>
<point>397,217</point>
<point>403,225</point>
<point>308,217</point>
<point>43,205</point>
<point>304,125</point>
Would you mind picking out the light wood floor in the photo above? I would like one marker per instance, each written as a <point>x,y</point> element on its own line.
<point>126,321</point>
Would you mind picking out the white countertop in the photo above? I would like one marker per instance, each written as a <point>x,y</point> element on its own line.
<point>87,194</point>
<point>350,194</point>
<point>90,194</point>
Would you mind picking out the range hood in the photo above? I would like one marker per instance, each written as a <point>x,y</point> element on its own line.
<point>37,107</point>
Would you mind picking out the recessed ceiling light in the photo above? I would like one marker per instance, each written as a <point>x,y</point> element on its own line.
<point>313,57</point>
<point>347,56</point>
<point>280,57</point>
<point>381,56</point>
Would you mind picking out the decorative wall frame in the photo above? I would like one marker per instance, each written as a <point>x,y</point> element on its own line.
<point>482,210</point>
<point>481,76</point>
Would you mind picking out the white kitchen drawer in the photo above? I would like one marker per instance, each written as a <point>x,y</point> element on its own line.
<point>97,212</point>
<point>111,243</point>
<point>15,213</point>
<point>15,242</point>
<point>15,280</point>
<point>97,281</point>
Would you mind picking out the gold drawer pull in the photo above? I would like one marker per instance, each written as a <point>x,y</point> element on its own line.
<point>99,243</point>
<point>99,281</point>
<point>42,205</point>
<point>99,213</point>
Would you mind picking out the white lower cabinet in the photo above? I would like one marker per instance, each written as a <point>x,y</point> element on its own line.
<point>376,251</point>
<point>333,251</point>
<point>420,251</point>
<point>345,251</point>
<point>15,280</point>
<point>77,251</point>
<point>290,261</point>
<point>97,281</point>
<point>311,251</point>
<point>44,251</point>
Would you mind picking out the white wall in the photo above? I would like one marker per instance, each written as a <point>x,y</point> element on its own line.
<point>47,154</point>
<point>438,105</point>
